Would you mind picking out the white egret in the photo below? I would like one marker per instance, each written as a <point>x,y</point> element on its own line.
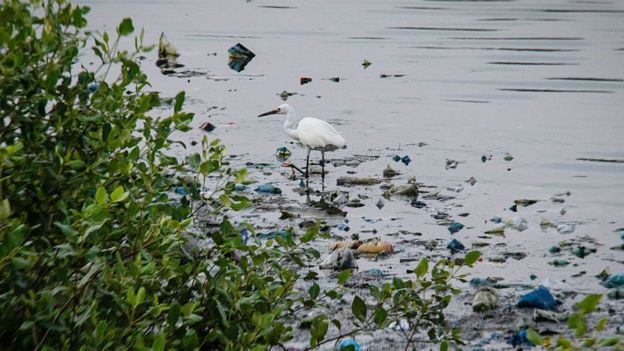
<point>313,133</point>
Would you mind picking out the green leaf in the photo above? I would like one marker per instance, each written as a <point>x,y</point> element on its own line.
<point>422,268</point>
<point>471,257</point>
<point>67,230</point>
<point>119,194</point>
<point>131,296</point>
<point>444,345</point>
<point>602,323</point>
<point>344,276</point>
<point>159,343</point>
<point>179,100</point>
<point>314,291</point>
<point>358,308</point>
<point>589,303</point>
<point>140,297</point>
<point>125,27</point>
<point>100,196</point>
<point>534,337</point>
<point>611,341</point>
<point>380,316</point>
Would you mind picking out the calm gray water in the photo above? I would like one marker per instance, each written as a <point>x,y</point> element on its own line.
<point>540,80</point>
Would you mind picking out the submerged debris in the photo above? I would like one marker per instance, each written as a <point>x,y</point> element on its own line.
<point>239,57</point>
<point>357,181</point>
<point>518,223</point>
<point>485,299</point>
<point>376,246</point>
<point>409,189</point>
<point>389,172</point>
<point>339,259</point>
<point>268,189</point>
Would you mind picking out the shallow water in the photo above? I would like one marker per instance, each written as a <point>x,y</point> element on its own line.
<point>540,80</point>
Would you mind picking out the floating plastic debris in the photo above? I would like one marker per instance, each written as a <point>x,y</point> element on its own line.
<point>406,160</point>
<point>366,63</point>
<point>282,154</point>
<point>207,126</point>
<point>539,298</point>
<point>239,57</point>
<point>304,80</point>
<point>455,246</point>
<point>454,227</point>
<point>485,299</point>
<point>344,343</point>
<point>268,189</point>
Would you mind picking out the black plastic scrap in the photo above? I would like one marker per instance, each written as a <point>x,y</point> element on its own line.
<point>240,56</point>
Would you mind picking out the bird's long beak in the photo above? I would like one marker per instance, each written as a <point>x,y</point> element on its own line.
<point>269,113</point>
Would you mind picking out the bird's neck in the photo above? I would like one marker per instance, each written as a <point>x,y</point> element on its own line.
<point>290,126</point>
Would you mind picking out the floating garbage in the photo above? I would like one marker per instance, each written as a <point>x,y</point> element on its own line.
<point>240,187</point>
<point>268,189</point>
<point>282,153</point>
<point>518,223</point>
<point>167,56</point>
<point>366,63</point>
<point>471,181</point>
<point>245,234</point>
<point>343,227</point>
<point>396,158</point>
<point>402,324</point>
<point>339,259</point>
<point>409,189</point>
<point>508,157</point>
<point>454,227</point>
<point>272,235</point>
<point>239,57</point>
<point>496,220</point>
<point>513,208</point>
<point>207,126</point>
<point>334,79</point>
<point>614,281</point>
<point>455,246</point>
<point>554,284</point>
<point>352,244</point>
<point>485,299</point>
<point>380,204</point>
<point>583,251</point>
<point>180,190</point>
<point>304,80</point>
<point>616,294</point>
<point>539,298</point>
<point>451,164</point>
<point>92,87</point>
<point>559,263</point>
<point>518,339</point>
<point>345,180</point>
<point>389,172</point>
<point>344,343</point>
<point>525,202</point>
<point>406,160</point>
<point>566,228</point>
<point>376,246</point>
<point>548,316</point>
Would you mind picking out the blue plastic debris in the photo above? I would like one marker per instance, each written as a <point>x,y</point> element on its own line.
<point>245,235</point>
<point>268,189</point>
<point>343,226</point>
<point>180,190</point>
<point>92,87</point>
<point>380,204</point>
<point>455,227</point>
<point>374,271</point>
<point>239,57</point>
<point>496,219</point>
<point>539,298</point>
<point>406,160</point>
<point>614,281</point>
<point>455,246</point>
<point>513,208</point>
<point>344,343</point>
<point>396,158</point>
<point>479,282</point>
<point>621,232</point>
<point>272,235</point>
<point>240,187</point>
<point>282,153</point>
<point>518,339</point>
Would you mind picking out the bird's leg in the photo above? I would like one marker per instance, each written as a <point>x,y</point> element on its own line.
<point>307,173</point>
<point>322,171</point>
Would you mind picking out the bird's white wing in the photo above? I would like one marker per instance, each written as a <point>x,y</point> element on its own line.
<point>318,134</point>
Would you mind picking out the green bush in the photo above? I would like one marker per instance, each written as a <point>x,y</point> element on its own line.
<point>95,247</point>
